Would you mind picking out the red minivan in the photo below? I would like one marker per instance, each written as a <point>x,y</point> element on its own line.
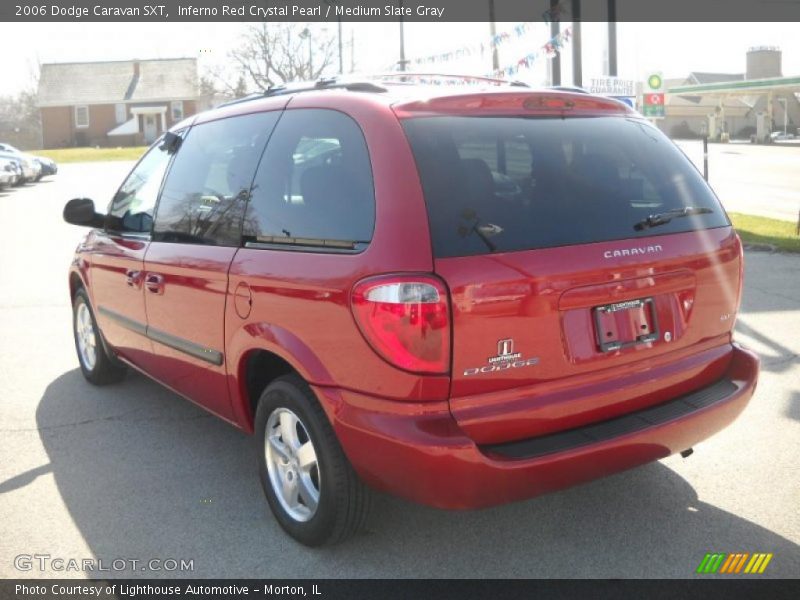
<point>460,294</point>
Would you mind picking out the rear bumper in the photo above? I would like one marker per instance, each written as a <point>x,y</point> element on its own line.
<point>417,451</point>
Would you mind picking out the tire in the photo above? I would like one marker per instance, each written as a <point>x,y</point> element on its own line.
<point>343,501</point>
<point>97,365</point>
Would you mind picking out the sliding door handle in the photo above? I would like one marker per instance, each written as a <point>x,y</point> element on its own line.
<point>154,283</point>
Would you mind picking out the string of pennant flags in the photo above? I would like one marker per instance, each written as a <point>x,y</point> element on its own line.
<point>476,49</point>
<point>553,46</point>
<point>549,50</point>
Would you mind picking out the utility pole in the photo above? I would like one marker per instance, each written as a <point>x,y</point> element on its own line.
<point>402,62</point>
<point>341,56</point>
<point>492,33</point>
<point>352,50</point>
<point>612,38</point>
<point>577,67</point>
<point>333,3</point>
<point>555,62</point>
<point>306,35</point>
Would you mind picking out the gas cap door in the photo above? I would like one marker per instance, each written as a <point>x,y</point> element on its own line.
<point>243,300</point>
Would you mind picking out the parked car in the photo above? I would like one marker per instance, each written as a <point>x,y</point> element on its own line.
<point>18,165</point>
<point>340,272</point>
<point>780,136</point>
<point>29,169</point>
<point>9,172</point>
<point>37,166</point>
<point>47,166</point>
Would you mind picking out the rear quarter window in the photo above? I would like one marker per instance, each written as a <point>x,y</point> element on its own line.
<point>502,184</point>
<point>314,184</point>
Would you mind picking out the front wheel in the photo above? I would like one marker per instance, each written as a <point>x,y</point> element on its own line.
<point>311,487</point>
<point>97,366</point>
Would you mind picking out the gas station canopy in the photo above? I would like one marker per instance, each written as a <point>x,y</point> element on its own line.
<point>747,87</point>
<point>749,91</point>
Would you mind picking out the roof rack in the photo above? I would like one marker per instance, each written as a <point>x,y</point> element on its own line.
<point>411,77</point>
<point>329,83</point>
<point>368,84</point>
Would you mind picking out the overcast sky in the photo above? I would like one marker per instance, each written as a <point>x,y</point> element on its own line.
<point>673,48</point>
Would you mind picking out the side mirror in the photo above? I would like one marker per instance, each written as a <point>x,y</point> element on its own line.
<point>80,211</point>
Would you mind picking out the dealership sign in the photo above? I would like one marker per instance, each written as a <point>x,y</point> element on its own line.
<point>612,86</point>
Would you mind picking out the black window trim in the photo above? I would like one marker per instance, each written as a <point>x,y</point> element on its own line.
<point>319,246</point>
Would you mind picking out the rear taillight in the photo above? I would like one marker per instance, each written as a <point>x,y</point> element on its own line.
<point>406,320</point>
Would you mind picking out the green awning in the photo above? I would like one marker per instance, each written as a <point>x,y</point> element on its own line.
<point>747,86</point>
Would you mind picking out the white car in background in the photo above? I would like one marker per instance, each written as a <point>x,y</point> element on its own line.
<point>780,136</point>
<point>46,166</point>
<point>8,173</point>
<point>31,168</point>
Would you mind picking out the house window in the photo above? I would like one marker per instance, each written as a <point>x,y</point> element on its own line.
<point>81,116</point>
<point>120,113</point>
<point>177,110</point>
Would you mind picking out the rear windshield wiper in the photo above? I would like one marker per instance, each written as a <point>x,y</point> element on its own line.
<point>666,217</point>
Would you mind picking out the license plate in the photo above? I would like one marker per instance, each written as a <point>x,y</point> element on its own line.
<point>625,324</point>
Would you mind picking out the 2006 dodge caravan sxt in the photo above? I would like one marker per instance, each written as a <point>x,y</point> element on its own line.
<point>460,295</point>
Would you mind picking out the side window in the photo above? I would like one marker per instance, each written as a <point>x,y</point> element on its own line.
<point>314,183</point>
<point>206,190</point>
<point>132,208</point>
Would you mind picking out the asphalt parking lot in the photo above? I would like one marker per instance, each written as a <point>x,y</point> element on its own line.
<point>752,179</point>
<point>135,472</point>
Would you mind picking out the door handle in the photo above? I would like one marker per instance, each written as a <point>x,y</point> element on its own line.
<point>154,283</point>
<point>133,278</point>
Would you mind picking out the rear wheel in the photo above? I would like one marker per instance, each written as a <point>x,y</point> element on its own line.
<point>311,487</point>
<point>97,365</point>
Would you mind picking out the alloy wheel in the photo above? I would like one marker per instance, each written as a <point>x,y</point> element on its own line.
<point>292,464</point>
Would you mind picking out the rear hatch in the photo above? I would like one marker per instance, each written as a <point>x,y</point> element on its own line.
<point>592,271</point>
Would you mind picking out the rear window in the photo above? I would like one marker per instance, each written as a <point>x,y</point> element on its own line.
<point>500,184</point>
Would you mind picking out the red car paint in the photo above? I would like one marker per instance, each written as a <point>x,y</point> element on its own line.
<point>427,436</point>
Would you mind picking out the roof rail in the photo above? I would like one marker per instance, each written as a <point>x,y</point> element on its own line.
<point>412,77</point>
<point>368,84</point>
<point>328,83</point>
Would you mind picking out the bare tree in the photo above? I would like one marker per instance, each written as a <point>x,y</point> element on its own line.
<point>20,123</point>
<point>274,53</point>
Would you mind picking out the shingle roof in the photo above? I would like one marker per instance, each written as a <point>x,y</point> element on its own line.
<point>108,82</point>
